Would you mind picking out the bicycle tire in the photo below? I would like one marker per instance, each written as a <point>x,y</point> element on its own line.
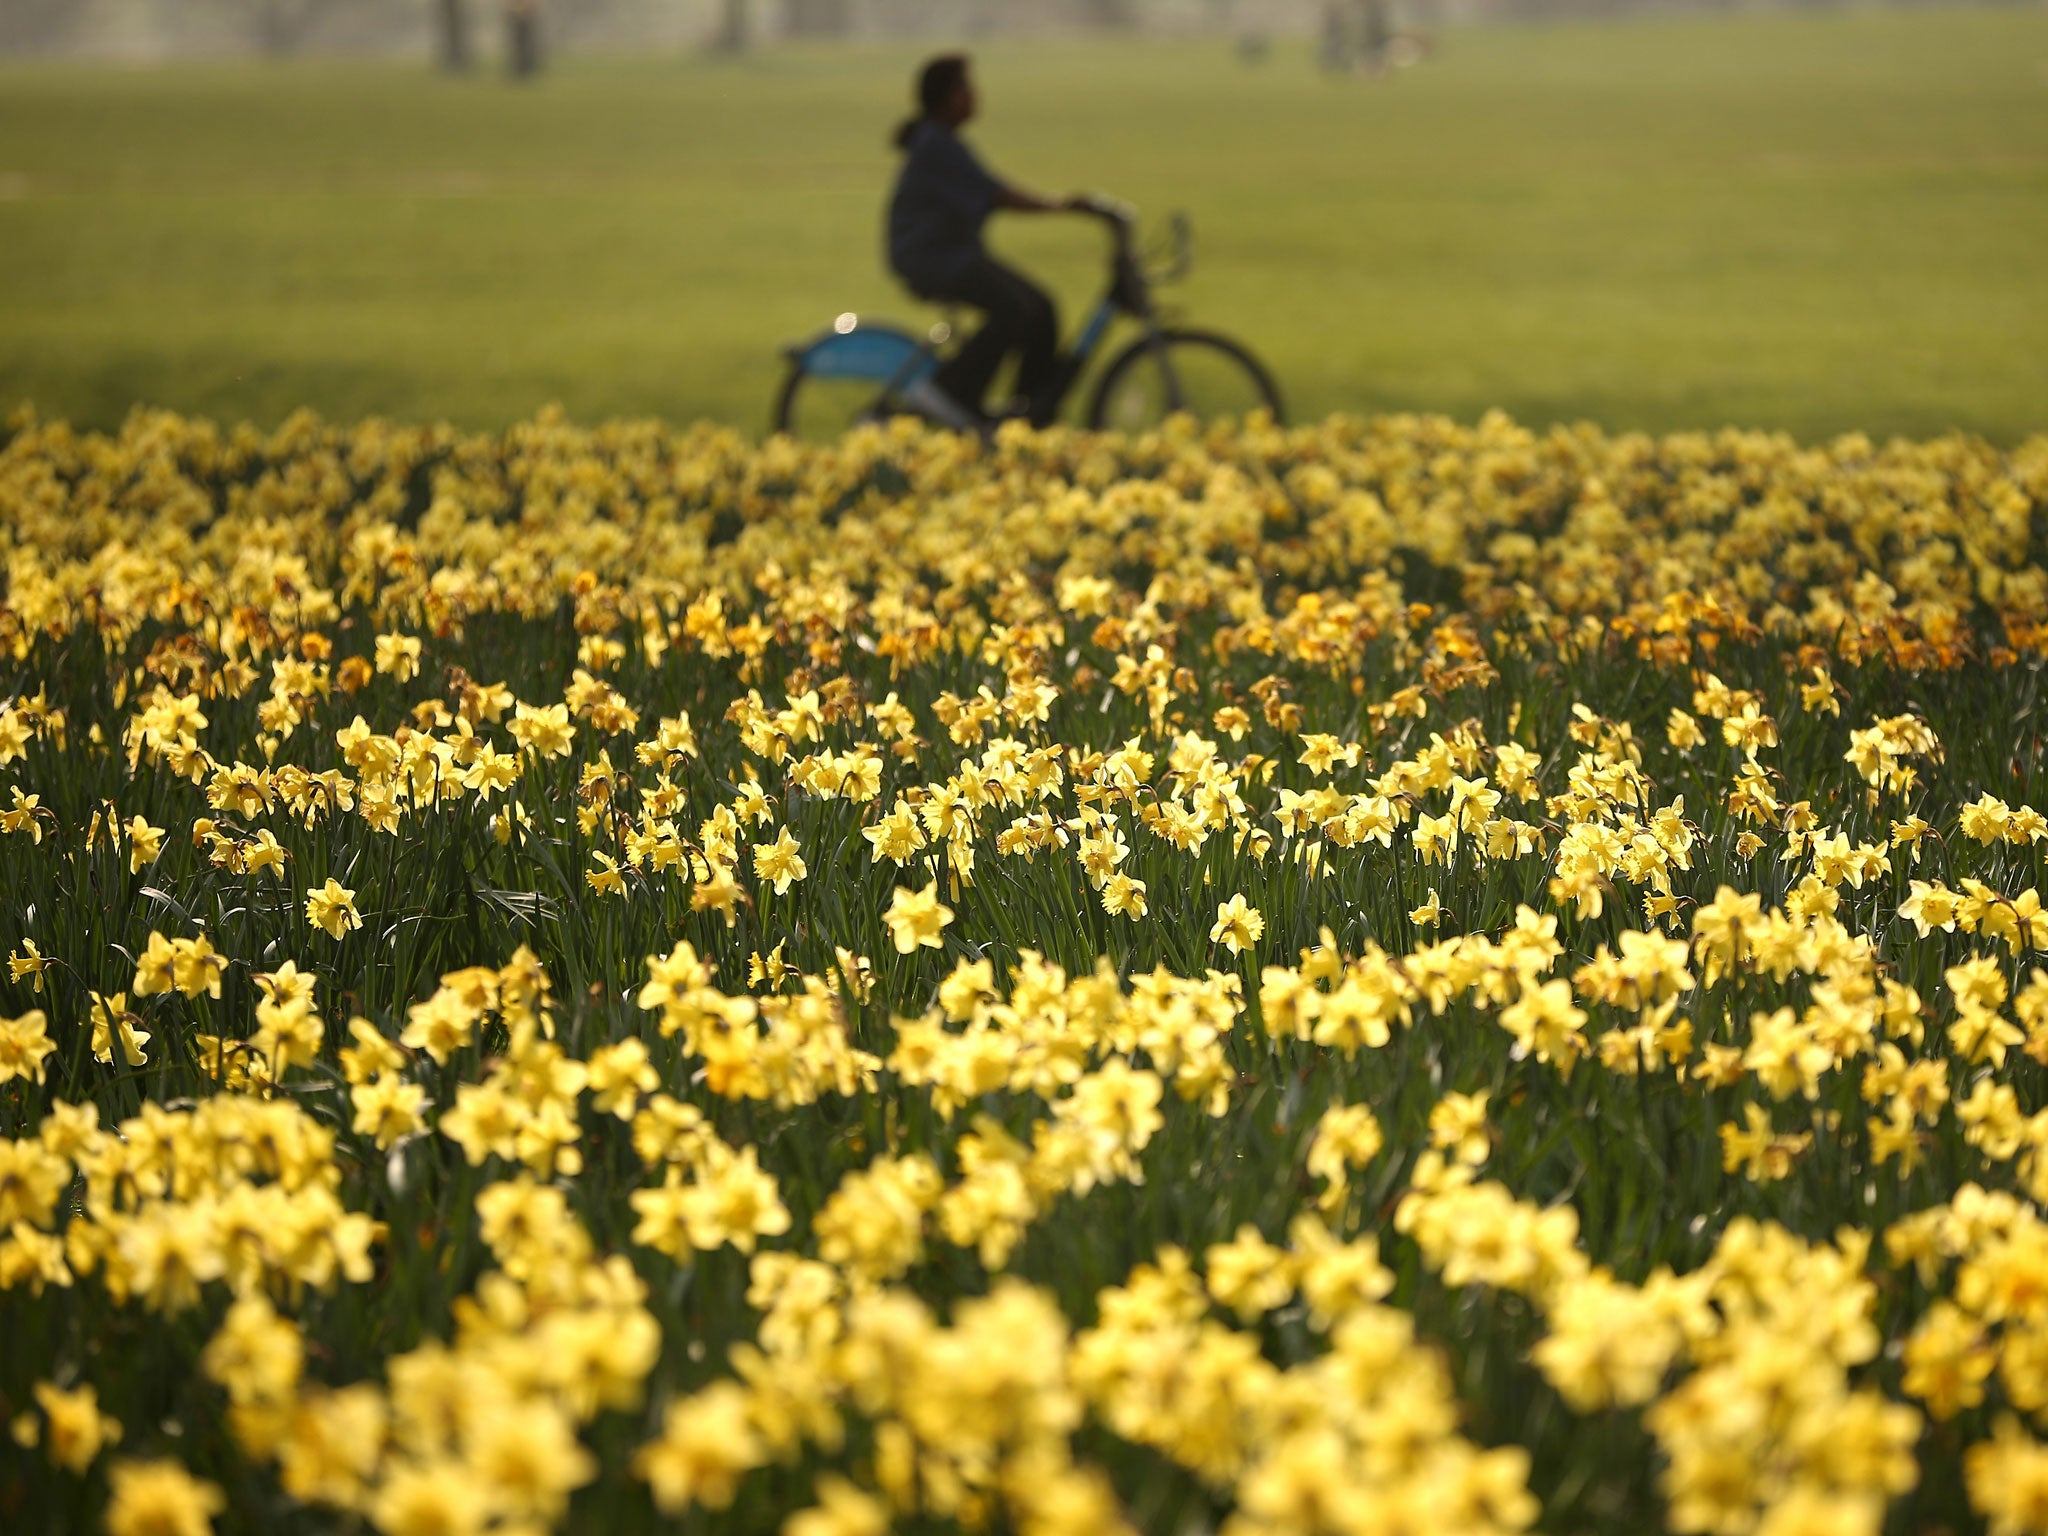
<point>857,408</point>
<point>1254,382</point>
<point>785,399</point>
<point>789,398</point>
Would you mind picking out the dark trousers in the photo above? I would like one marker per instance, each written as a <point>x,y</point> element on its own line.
<point>1020,319</point>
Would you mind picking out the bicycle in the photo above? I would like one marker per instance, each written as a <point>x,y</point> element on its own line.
<point>862,370</point>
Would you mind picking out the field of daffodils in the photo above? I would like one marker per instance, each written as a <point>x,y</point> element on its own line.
<point>1390,978</point>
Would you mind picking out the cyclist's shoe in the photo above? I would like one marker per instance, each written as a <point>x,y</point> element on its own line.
<point>938,407</point>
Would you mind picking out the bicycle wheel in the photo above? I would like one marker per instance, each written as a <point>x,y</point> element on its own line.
<point>1206,375</point>
<point>820,409</point>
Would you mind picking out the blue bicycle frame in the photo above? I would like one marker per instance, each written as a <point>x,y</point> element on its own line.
<point>889,356</point>
<point>893,359</point>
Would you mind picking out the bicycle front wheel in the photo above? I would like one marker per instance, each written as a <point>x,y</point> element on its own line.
<point>1208,376</point>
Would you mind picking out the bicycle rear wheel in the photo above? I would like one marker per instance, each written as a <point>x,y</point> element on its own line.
<point>819,409</point>
<point>1207,375</point>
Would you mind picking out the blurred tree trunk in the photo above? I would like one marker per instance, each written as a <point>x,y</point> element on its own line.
<point>451,20</point>
<point>522,38</point>
<point>1333,38</point>
<point>1375,32</point>
<point>733,35</point>
<point>819,18</point>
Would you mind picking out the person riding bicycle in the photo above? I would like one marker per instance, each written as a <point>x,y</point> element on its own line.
<point>943,197</point>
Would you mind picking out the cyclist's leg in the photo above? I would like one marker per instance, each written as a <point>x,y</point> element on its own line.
<point>1038,346</point>
<point>967,374</point>
<point>1019,318</point>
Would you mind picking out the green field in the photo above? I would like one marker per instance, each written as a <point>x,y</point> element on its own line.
<point>1810,222</point>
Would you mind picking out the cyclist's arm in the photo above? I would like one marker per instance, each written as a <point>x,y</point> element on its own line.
<point>1017,200</point>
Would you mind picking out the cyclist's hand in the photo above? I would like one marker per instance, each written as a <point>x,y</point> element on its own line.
<point>1099,205</point>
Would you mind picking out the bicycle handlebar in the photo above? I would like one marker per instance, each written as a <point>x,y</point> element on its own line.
<point>1121,217</point>
<point>1180,243</point>
<point>1178,247</point>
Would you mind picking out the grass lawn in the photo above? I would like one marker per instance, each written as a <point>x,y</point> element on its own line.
<point>1809,222</point>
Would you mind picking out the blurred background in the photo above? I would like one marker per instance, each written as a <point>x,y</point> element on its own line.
<point>1818,218</point>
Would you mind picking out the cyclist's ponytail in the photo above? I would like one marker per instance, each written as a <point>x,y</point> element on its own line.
<point>936,83</point>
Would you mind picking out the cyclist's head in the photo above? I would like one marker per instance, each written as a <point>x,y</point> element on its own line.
<point>945,94</point>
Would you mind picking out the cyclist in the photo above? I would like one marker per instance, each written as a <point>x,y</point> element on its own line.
<point>942,198</point>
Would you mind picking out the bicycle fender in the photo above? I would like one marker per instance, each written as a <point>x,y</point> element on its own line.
<point>878,352</point>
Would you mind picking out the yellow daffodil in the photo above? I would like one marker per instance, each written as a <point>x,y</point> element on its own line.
<point>1238,925</point>
<point>332,908</point>
<point>917,918</point>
